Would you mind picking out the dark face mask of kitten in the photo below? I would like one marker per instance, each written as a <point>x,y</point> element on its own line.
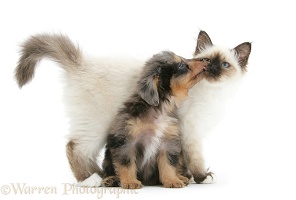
<point>222,64</point>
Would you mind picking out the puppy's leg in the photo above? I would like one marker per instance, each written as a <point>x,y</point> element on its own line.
<point>168,161</point>
<point>128,176</point>
<point>120,153</point>
<point>184,179</point>
<point>111,181</point>
<point>183,172</point>
<point>168,172</point>
<point>81,164</point>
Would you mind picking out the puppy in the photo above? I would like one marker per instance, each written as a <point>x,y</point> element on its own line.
<point>144,139</point>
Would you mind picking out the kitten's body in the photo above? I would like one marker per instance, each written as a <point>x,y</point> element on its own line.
<point>200,115</point>
<point>95,91</point>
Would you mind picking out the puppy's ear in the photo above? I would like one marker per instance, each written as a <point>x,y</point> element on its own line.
<point>242,52</point>
<point>203,41</point>
<point>148,86</point>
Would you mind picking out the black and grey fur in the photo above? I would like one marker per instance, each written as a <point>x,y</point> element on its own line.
<point>144,140</point>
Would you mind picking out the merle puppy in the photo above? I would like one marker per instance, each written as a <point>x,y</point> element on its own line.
<point>144,139</point>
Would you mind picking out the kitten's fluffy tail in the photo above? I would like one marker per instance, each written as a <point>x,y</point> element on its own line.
<point>56,47</point>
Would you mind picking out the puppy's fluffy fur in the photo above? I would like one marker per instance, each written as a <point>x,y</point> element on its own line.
<point>144,141</point>
<point>95,89</point>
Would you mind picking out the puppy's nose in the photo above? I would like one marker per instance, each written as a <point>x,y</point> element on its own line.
<point>197,65</point>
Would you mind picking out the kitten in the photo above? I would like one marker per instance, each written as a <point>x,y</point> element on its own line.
<point>95,90</point>
<point>203,109</point>
<point>144,139</point>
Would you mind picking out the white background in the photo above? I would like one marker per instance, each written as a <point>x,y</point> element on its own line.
<point>252,152</point>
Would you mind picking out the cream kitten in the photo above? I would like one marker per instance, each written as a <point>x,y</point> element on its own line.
<point>202,111</point>
<point>95,89</point>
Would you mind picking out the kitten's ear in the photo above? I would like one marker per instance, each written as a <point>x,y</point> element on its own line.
<point>148,87</point>
<point>242,52</point>
<point>203,41</point>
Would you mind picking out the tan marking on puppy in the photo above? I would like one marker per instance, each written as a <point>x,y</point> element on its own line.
<point>167,173</point>
<point>128,176</point>
<point>184,179</point>
<point>137,126</point>
<point>179,91</point>
<point>177,59</point>
<point>155,80</point>
<point>170,107</point>
<point>172,130</point>
<point>197,68</point>
<point>180,86</point>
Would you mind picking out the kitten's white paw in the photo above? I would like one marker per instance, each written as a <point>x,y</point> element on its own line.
<point>93,181</point>
<point>211,179</point>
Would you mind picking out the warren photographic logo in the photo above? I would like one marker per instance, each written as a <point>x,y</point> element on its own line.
<point>64,189</point>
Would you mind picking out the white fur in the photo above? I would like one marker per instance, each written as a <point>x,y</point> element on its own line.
<point>94,95</point>
<point>203,110</point>
<point>92,98</point>
<point>93,181</point>
<point>154,145</point>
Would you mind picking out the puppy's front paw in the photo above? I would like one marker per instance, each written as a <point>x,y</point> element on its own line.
<point>132,184</point>
<point>176,183</point>
<point>206,178</point>
<point>184,179</point>
<point>111,181</point>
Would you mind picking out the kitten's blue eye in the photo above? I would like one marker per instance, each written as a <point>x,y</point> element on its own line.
<point>225,65</point>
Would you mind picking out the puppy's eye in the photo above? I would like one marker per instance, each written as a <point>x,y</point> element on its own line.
<point>182,66</point>
<point>225,65</point>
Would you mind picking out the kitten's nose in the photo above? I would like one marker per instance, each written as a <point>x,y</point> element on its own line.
<point>213,69</point>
